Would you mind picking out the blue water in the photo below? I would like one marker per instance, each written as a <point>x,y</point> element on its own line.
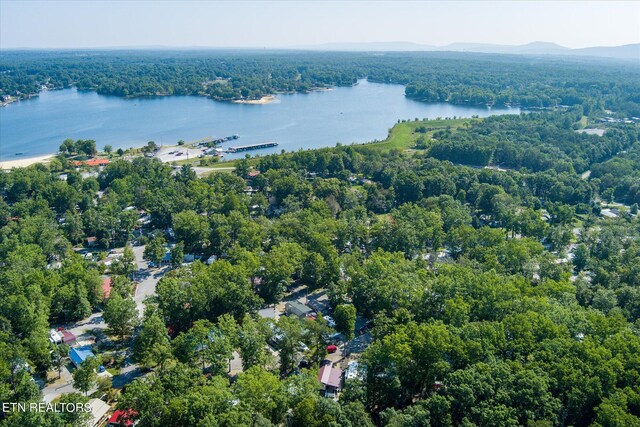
<point>319,119</point>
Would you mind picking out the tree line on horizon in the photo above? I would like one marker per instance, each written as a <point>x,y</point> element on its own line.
<point>465,79</point>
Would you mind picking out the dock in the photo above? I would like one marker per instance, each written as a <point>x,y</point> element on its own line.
<point>240,148</point>
<point>211,142</point>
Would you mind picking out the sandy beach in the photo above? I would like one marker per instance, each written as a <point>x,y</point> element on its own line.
<point>24,162</point>
<point>264,100</point>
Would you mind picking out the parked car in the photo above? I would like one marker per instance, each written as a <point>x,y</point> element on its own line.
<point>303,364</point>
<point>332,348</point>
<point>330,321</point>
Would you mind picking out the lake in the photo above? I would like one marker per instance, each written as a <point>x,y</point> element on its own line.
<point>361,113</point>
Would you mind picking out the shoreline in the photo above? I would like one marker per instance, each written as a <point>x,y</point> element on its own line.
<point>267,99</point>
<point>24,162</point>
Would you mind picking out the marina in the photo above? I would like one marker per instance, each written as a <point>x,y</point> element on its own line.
<point>212,142</point>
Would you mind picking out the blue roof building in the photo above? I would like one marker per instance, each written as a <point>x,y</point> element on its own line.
<point>80,354</point>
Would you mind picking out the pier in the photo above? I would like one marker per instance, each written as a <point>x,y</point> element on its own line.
<point>240,148</point>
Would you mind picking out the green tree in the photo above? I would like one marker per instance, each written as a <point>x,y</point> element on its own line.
<point>85,375</point>
<point>151,346</point>
<point>59,356</point>
<point>242,167</point>
<point>262,392</point>
<point>121,315</point>
<point>581,257</point>
<point>280,264</point>
<point>251,343</point>
<point>126,264</point>
<point>315,334</point>
<point>345,318</point>
<point>204,344</point>
<point>177,254</point>
<point>155,250</point>
<point>290,333</point>
<point>191,229</point>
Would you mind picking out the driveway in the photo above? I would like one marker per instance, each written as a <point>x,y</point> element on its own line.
<point>149,279</point>
<point>82,328</point>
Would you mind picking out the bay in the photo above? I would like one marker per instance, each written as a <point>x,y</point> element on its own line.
<point>357,114</point>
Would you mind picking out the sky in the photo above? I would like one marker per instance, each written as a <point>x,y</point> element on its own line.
<point>75,24</point>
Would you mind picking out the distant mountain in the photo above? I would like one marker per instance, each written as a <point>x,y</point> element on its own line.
<point>534,48</point>
<point>626,52</point>
<point>629,51</point>
<point>373,47</point>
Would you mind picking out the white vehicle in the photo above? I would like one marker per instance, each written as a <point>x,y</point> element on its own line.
<point>330,321</point>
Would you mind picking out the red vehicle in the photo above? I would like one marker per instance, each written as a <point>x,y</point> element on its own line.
<point>332,348</point>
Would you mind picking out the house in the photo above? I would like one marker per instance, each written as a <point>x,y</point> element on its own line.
<point>68,337</point>
<point>92,162</point>
<point>80,354</point>
<point>253,174</point>
<point>99,410</point>
<point>107,283</point>
<point>91,241</point>
<point>267,313</point>
<point>61,337</point>
<point>122,418</point>
<point>298,309</point>
<point>330,377</point>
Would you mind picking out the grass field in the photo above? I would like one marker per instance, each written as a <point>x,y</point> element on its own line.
<point>403,135</point>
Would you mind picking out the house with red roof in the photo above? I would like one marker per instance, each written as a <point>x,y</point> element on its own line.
<point>122,418</point>
<point>331,379</point>
<point>107,283</point>
<point>92,162</point>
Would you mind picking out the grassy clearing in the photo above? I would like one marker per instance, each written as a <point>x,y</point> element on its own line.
<point>404,135</point>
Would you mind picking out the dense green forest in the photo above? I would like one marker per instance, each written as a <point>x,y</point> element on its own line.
<point>511,331</point>
<point>493,267</point>
<point>430,76</point>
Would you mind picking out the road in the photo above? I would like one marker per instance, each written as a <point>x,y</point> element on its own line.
<point>83,331</point>
<point>147,286</point>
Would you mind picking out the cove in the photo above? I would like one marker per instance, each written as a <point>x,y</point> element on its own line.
<point>356,114</point>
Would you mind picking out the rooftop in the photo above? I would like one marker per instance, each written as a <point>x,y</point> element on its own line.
<point>330,376</point>
<point>92,162</point>
<point>80,354</point>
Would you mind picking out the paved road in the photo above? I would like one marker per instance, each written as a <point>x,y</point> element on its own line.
<point>83,328</point>
<point>147,286</point>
